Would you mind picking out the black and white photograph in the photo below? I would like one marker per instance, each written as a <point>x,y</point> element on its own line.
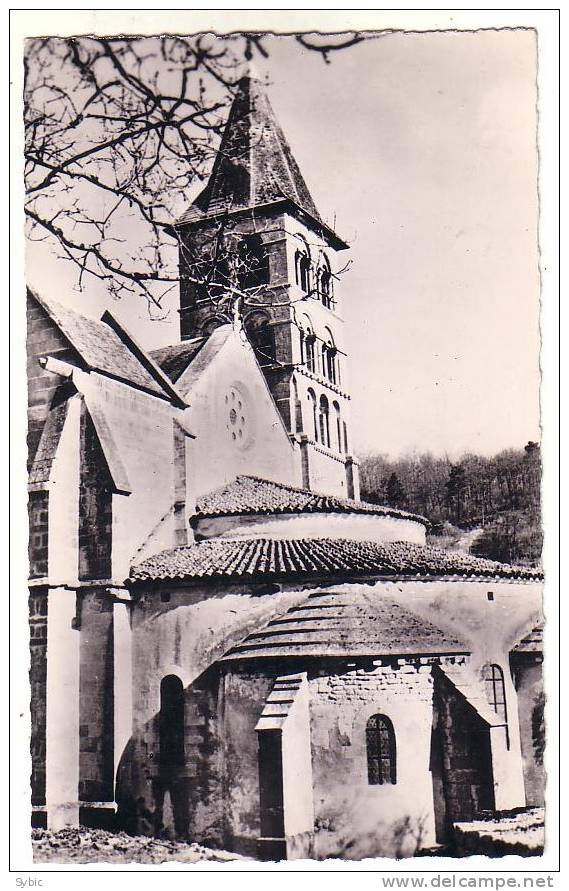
<point>284,444</point>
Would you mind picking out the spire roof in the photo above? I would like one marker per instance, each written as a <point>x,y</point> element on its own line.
<point>254,164</point>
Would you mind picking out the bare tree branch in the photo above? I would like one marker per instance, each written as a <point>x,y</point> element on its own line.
<point>118,131</point>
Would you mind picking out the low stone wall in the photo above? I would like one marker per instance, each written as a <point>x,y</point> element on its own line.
<point>521,833</point>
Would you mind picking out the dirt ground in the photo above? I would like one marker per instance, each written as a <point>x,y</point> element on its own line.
<point>98,846</point>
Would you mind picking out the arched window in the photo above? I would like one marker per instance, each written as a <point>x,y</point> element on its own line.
<point>252,262</point>
<point>324,281</point>
<point>324,422</point>
<point>493,678</point>
<point>171,721</point>
<point>329,356</point>
<point>260,333</point>
<point>381,754</point>
<point>296,409</point>
<point>346,449</point>
<point>324,360</point>
<point>312,402</point>
<point>307,342</point>
<point>338,425</point>
<point>302,266</point>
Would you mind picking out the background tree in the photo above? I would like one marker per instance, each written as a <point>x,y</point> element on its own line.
<point>394,492</point>
<point>500,495</point>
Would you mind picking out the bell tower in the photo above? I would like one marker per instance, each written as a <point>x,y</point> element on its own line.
<point>254,244</point>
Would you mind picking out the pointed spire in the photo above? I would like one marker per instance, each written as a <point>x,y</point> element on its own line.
<point>254,164</point>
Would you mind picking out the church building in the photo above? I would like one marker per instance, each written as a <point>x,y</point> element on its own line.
<point>227,645</point>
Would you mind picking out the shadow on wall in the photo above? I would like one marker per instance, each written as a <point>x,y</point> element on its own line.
<point>339,836</point>
<point>168,780</point>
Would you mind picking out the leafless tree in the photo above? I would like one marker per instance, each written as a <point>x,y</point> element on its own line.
<point>118,129</point>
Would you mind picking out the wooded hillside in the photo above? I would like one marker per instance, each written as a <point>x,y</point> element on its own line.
<point>500,495</point>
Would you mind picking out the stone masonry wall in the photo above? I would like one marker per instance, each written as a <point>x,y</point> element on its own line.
<point>464,759</point>
<point>200,243</point>
<point>95,507</point>
<point>355,819</point>
<point>38,675</point>
<point>38,504</point>
<point>96,780</point>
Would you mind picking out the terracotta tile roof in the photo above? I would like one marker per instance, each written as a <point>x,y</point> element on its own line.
<point>253,495</point>
<point>532,642</point>
<point>174,359</point>
<point>346,623</point>
<point>100,346</point>
<point>259,558</point>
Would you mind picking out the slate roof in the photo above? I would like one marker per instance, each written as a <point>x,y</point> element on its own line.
<point>174,359</point>
<point>253,495</point>
<point>532,642</point>
<point>101,348</point>
<point>189,359</point>
<point>261,558</point>
<point>346,623</point>
<point>254,165</point>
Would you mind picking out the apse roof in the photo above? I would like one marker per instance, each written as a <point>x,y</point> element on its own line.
<point>346,623</point>
<point>253,495</point>
<point>257,559</point>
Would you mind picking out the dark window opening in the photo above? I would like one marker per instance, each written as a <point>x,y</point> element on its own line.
<point>324,278</point>
<point>329,362</point>
<point>324,422</point>
<point>309,342</point>
<point>213,278</point>
<point>261,337</point>
<point>381,755</point>
<point>171,721</point>
<point>302,269</point>
<point>252,262</point>
<point>338,426</point>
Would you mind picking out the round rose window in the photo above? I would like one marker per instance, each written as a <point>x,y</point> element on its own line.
<point>237,420</point>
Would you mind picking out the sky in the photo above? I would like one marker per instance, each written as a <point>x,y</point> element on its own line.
<point>420,149</point>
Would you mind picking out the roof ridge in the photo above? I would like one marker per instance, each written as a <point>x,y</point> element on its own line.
<point>315,501</point>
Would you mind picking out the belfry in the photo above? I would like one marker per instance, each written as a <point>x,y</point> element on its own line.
<point>254,234</point>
